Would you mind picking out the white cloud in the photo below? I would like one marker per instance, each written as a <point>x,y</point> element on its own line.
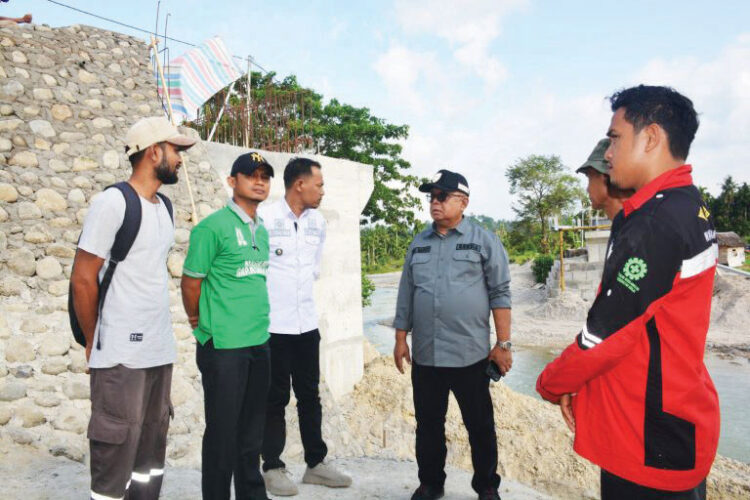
<point>401,69</point>
<point>469,26</point>
<point>720,91</point>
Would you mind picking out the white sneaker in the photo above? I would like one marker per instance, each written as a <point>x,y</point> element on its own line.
<point>278,483</point>
<point>326,475</point>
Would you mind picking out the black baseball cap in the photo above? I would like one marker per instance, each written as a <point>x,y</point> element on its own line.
<point>447,181</point>
<point>249,163</point>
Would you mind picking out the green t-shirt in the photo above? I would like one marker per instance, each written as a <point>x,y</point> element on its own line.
<point>230,252</point>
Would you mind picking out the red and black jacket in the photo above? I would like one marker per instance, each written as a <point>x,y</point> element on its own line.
<point>645,406</point>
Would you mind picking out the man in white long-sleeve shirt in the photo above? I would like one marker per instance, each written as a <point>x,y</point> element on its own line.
<point>296,233</point>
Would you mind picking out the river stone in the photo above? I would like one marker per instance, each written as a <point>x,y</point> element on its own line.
<point>143,109</point>
<point>76,196</point>
<point>42,127</point>
<point>30,416</point>
<point>28,210</point>
<point>25,191</point>
<point>81,163</point>
<point>47,399</point>
<point>129,83</point>
<point>24,159</point>
<point>19,57</point>
<point>19,141</point>
<point>174,263</point>
<point>110,159</point>
<point>61,112</point>
<point>182,391</point>
<point>41,144</point>
<point>9,125</point>
<point>12,390</point>
<point>5,414</point>
<point>72,136</point>
<point>86,77</point>
<point>181,235</point>
<point>69,447</point>
<point>58,288</point>
<point>3,237</point>
<point>70,419</point>
<point>49,80</point>
<point>48,268</point>
<point>33,324</point>
<point>5,144</point>
<point>101,123</point>
<point>77,388</point>
<point>21,436</point>
<point>49,199</point>
<point>58,165</point>
<point>55,344</point>
<point>42,61</point>
<point>112,92</point>
<point>93,103</point>
<point>22,371</point>
<point>77,361</point>
<point>13,89</point>
<point>60,222</point>
<point>8,193</point>
<point>11,285</point>
<point>118,107</point>
<point>38,234</point>
<point>80,181</point>
<point>60,250</point>
<point>115,68</point>
<point>42,94</point>
<point>22,261</point>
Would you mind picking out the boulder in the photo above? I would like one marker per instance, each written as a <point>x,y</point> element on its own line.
<point>49,199</point>
<point>42,128</point>
<point>21,261</point>
<point>12,390</point>
<point>8,193</point>
<point>54,365</point>
<point>28,210</point>
<point>24,159</point>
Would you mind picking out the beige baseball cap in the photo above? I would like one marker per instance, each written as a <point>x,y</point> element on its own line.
<point>152,130</point>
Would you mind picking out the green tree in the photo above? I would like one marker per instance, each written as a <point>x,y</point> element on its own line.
<point>544,189</point>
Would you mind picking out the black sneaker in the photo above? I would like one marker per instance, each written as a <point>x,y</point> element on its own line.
<point>489,494</point>
<point>426,492</point>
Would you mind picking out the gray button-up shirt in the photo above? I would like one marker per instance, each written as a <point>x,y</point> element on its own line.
<point>448,286</point>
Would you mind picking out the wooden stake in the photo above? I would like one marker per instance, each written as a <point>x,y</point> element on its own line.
<point>165,90</point>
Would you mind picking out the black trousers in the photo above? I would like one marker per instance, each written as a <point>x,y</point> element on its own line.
<point>616,488</point>
<point>295,358</point>
<point>235,387</point>
<point>470,386</point>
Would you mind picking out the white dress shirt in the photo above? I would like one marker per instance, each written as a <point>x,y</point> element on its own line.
<point>296,244</point>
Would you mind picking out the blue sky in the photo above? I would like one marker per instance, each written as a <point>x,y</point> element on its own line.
<point>482,83</point>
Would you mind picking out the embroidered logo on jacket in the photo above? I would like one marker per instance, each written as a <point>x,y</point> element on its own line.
<point>635,269</point>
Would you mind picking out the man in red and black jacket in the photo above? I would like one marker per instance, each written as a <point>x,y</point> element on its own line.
<point>633,386</point>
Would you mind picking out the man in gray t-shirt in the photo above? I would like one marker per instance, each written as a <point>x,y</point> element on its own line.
<point>130,347</point>
<point>455,276</point>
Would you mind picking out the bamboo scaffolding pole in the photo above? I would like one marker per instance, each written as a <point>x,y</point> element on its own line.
<point>165,90</point>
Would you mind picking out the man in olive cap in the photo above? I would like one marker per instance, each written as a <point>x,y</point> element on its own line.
<point>603,195</point>
<point>455,276</point>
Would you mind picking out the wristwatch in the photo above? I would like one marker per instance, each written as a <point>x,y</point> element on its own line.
<point>505,345</point>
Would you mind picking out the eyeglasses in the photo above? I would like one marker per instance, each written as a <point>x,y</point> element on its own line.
<point>441,196</point>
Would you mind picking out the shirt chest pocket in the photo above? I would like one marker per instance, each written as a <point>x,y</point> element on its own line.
<point>421,270</point>
<point>466,266</point>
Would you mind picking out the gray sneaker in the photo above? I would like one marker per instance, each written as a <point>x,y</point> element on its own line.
<point>324,474</point>
<point>278,483</point>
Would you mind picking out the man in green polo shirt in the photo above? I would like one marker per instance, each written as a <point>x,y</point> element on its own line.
<point>226,301</point>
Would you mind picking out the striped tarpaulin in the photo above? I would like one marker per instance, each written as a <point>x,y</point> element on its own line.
<point>197,75</point>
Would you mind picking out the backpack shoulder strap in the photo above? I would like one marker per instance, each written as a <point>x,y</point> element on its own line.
<point>167,203</point>
<point>131,223</point>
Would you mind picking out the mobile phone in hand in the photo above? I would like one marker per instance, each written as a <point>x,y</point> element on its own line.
<point>493,371</point>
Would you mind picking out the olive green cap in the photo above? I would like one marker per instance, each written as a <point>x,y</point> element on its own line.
<point>596,159</point>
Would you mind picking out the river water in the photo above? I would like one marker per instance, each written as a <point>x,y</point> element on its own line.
<point>731,376</point>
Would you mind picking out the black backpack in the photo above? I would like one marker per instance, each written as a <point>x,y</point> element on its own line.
<point>124,239</point>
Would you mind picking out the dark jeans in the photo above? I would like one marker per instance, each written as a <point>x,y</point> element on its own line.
<point>616,488</point>
<point>470,386</point>
<point>294,357</point>
<point>235,388</point>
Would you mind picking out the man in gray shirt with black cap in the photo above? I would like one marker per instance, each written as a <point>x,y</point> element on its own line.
<point>455,275</point>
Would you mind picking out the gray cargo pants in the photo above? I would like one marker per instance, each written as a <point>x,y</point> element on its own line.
<point>130,411</point>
